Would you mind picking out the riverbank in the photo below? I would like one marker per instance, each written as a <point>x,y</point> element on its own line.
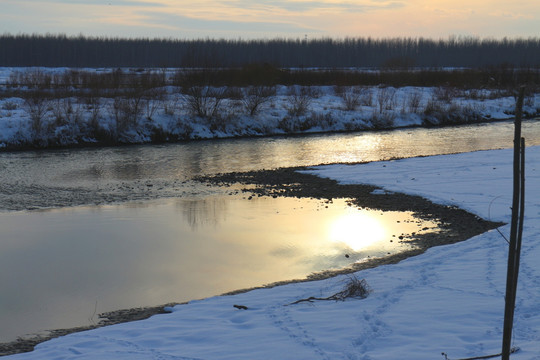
<point>456,225</point>
<point>47,118</point>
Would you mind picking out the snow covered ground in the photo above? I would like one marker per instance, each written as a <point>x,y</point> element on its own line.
<point>450,299</point>
<point>71,121</point>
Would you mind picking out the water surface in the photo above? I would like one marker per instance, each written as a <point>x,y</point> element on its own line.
<point>157,236</point>
<point>62,267</point>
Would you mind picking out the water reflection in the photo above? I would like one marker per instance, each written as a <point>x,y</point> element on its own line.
<point>202,212</point>
<point>91,168</point>
<point>358,230</point>
<point>58,267</point>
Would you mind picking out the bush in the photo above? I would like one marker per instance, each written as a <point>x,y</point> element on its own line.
<point>385,98</point>
<point>433,107</point>
<point>354,288</point>
<point>152,101</point>
<point>126,112</point>
<point>324,121</point>
<point>445,93</point>
<point>204,101</point>
<point>350,99</point>
<point>9,105</point>
<point>354,125</point>
<point>181,129</point>
<point>255,96</point>
<point>383,120</point>
<point>36,104</point>
<point>94,105</point>
<point>300,100</point>
<point>412,102</point>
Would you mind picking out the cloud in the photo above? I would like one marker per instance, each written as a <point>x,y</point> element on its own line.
<point>310,6</point>
<point>270,18</point>
<point>263,16</point>
<point>511,15</point>
<point>101,2</point>
<point>184,23</point>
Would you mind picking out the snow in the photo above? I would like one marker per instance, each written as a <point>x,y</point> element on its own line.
<point>449,299</point>
<point>378,107</point>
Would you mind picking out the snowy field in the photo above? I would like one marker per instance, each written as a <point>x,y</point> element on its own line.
<point>172,115</point>
<point>448,300</point>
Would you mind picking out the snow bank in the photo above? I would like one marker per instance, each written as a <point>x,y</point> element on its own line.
<point>170,117</point>
<point>449,299</point>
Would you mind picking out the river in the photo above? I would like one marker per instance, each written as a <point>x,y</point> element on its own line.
<point>91,230</point>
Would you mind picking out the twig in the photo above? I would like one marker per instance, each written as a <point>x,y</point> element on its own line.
<point>513,350</point>
<point>354,288</point>
<point>312,298</point>
<point>489,217</point>
<point>91,318</point>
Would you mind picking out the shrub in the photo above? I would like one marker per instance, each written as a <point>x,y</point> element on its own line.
<point>126,111</point>
<point>324,121</point>
<point>366,97</point>
<point>354,288</point>
<point>445,93</point>
<point>181,129</point>
<point>413,101</point>
<point>433,107</point>
<point>169,106</point>
<point>354,125</point>
<point>9,105</point>
<point>66,112</point>
<point>383,120</point>
<point>158,135</point>
<point>204,101</point>
<point>234,93</point>
<point>350,99</point>
<point>152,100</point>
<point>34,79</point>
<point>94,107</point>
<point>300,100</point>
<point>36,104</point>
<point>385,98</point>
<point>438,113</point>
<point>255,96</point>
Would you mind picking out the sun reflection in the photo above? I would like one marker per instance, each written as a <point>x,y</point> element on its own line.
<point>357,230</point>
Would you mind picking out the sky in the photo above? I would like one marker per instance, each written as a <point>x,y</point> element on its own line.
<point>268,19</point>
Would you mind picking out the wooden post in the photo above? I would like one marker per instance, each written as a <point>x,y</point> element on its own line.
<point>516,229</point>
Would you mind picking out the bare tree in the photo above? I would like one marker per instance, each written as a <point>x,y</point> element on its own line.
<point>385,98</point>
<point>351,98</point>
<point>126,112</point>
<point>36,104</point>
<point>255,96</point>
<point>94,104</point>
<point>300,100</point>
<point>204,101</point>
<point>152,100</point>
<point>413,102</point>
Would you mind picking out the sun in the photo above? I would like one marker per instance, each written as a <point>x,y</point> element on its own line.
<point>357,230</point>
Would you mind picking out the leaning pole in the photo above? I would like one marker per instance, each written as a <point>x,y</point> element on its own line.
<point>516,229</point>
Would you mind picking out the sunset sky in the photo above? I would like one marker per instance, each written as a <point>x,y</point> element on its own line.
<point>267,19</point>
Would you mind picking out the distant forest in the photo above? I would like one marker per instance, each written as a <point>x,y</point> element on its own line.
<point>391,53</point>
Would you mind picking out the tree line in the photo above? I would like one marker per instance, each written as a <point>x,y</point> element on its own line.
<point>111,82</point>
<point>24,50</point>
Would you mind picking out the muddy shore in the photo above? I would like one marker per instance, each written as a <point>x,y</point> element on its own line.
<point>455,225</point>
